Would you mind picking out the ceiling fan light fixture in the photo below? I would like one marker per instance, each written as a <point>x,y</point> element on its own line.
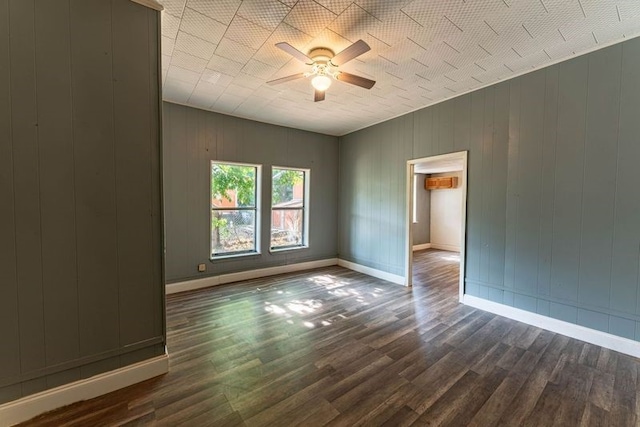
<point>321,82</point>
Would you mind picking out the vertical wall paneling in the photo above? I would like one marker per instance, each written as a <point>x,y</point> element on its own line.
<point>601,144</point>
<point>57,195</point>
<point>80,200</point>
<point>497,218</point>
<point>156,158</point>
<point>26,175</point>
<point>512,183</point>
<point>626,233</point>
<point>527,197</point>
<point>474,190</point>
<point>136,302</point>
<point>572,101</point>
<point>486,151</point>
<point>94,156</point>
<point>552,209</point>
<point>548,176</point>
<point>9,327</point>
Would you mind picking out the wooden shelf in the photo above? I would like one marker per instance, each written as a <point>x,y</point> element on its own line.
<point>441,183</point>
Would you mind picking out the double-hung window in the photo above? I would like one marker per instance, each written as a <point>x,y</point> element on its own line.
<point>289,208</point>
<point>234,209</point>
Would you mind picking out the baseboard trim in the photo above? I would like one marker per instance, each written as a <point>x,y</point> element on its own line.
<point>603,339</point>
<point>445,247</point>
<point>371,271</point>
<point>421,246</point>
<point>206,282</point>
<point>28,407</point>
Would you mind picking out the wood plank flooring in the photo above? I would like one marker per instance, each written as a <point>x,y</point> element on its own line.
<point>338,348</point>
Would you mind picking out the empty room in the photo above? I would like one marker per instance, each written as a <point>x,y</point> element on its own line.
<point>319,212</point>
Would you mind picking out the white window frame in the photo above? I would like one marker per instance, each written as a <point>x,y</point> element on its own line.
<point>305,211</point>
<point>256,209</point>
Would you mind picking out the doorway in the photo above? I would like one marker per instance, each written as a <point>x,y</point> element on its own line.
<point>434,165</point>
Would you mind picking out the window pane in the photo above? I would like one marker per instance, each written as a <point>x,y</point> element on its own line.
<point>287,228</point>
<point>232,231</point>
<point>287,188</point>
<point>233,186</point>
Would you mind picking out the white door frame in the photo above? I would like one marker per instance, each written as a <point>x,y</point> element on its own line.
<point>460,155</point>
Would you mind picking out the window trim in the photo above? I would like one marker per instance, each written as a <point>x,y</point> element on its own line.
<point>256,209</point>
<point>305,211</point>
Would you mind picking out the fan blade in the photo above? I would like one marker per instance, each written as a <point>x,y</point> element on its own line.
<point>355,50</point>
<point>294,52</point>
<point>318,96</point>
<point>286,79</point>
<point>355,80</point>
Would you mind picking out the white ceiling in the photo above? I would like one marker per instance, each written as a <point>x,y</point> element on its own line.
<point>218,54</point>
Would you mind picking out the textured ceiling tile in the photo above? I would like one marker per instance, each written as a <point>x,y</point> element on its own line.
<point>471,14</point>
<point>224,65</point>
<point>220,10</point>
<point>187,61</point>
<point>291,35</point>
<point>335,6</point>
<point>354,23</point>
<point>569,48</point>
<point>383,10</point>
<point>259,69</point>
<point>309,17</point>
<point>220,80</point>
<point>249,81</point>
<point>463,45</point>
<point>167,45</point>
<point>165,62</point>
<point>628,9</point>
<point>436,32</point>
<point>177,91</point>
<point>395,27</point>
<point>247,33</point>
<point>197,47</point>
<point>628,28</point>
<point>266,13</point>
<point>227,102</point>
<point>201,99</point>
<point>270,54</point>
<point>174,7</point>
<point>430,11</point>
<point>233,50</point>
<point>330,40</point>
<point>170,25</point>
<point>202,26</point>
<point>182,74</point>
<point>241,91</point>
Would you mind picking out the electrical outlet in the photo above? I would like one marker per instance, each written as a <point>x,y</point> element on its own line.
<point>202,267</point>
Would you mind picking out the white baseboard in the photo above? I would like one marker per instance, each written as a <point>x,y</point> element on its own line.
<point>28,407</point>
<point>371,272</point>
<point>421,246</point>
<point>603,339</point>
<point>206,282</point>
<point>445,247</point>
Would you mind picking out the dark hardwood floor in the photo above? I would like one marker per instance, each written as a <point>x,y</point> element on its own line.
<point>334,347</point>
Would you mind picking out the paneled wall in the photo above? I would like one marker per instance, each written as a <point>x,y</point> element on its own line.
<point>80,228</point>
<point>553,198</point>
<point>192,139</point>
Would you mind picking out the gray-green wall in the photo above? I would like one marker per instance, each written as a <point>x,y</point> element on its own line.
<point>80,229</point>
<point>422,228</point>
<point>192,139</point>
<point>553,214</point>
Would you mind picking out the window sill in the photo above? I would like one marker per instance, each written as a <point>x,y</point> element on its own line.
<point>231,256</point>
<point>291,248</point>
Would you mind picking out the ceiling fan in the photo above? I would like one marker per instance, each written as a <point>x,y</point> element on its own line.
<point>324,67</point>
